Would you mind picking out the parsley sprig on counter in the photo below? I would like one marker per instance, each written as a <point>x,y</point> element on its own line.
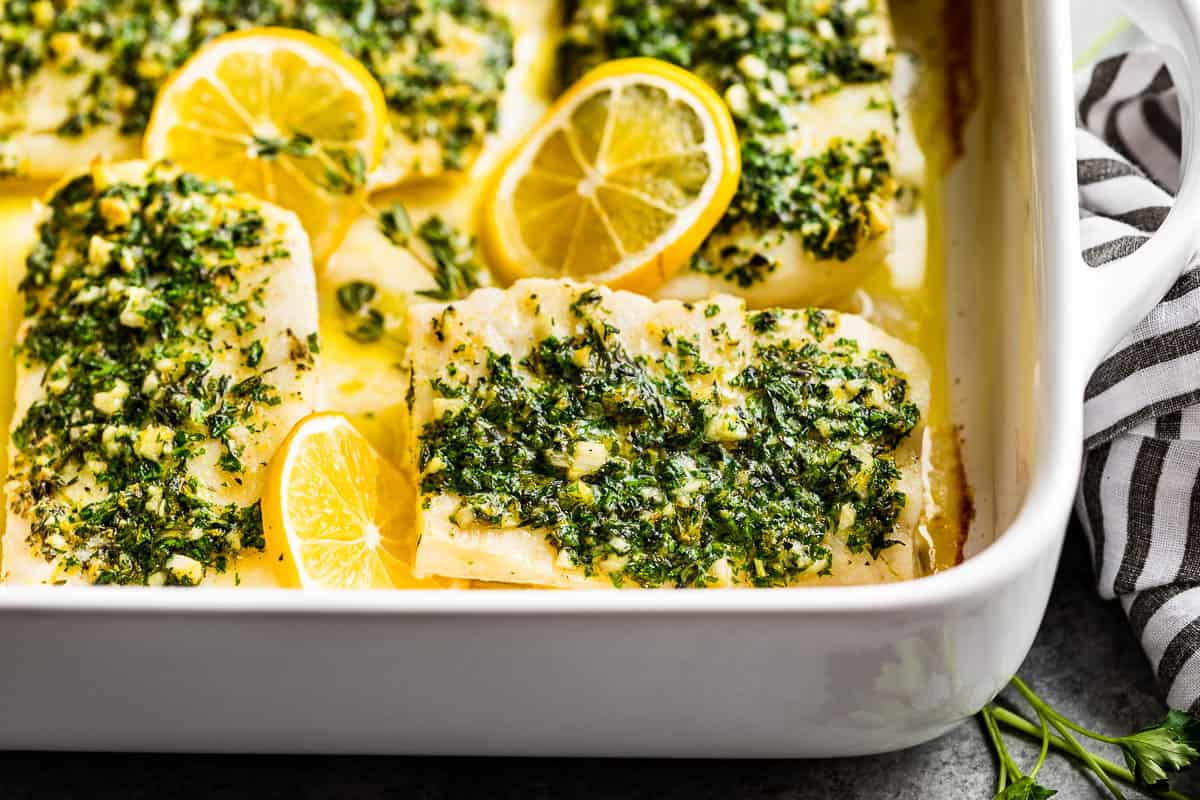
<point>1151,755</point>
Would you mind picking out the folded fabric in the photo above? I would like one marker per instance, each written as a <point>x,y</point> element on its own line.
<point>1139,496</point>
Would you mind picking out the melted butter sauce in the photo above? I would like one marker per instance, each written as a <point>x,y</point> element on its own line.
<point>16,231</point>
<point>910,302</point>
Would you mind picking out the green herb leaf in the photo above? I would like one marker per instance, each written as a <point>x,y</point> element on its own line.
<point>353,296</point>
<point>365,323</point>
<point>347,171</point>
<point>369,329</point>
<point>300,146</point>
<point>1170,746</point>
<point>455,269</point>
<point>253,354</point>
<point>395,225</point>
<point>1025,789</point>
<point>453,265</point>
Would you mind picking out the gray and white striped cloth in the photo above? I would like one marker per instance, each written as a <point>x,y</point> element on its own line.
<point>1139,497</point>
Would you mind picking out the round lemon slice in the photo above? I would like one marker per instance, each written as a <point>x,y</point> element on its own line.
<point>619,183</point>
<point>340,513</point>
<point>281,114</point>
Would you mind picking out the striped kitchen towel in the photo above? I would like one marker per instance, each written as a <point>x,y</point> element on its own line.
<point>1139,497</point>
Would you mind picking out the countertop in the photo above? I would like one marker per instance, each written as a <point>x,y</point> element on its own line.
<point>1085,662</point>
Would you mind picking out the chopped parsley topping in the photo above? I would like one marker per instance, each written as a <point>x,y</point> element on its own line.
<point>814,46</point>
<point>832,200</point>
<point>631,471</point>
<point>435,89</point>
<point>134,294</point>
<point>767,59</point>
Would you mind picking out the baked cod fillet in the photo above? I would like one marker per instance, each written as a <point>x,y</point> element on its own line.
<point>167,346</point>
<point>568,435</point>
<point>79,79</point>
<point>808,85</point>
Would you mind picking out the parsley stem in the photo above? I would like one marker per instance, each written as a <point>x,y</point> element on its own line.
<point>1087,758</point>
<point>404,244</point>
<point>989,722</point>
<point>1045,710</point>
<point>1045,748</point>
<point>1017,722</point>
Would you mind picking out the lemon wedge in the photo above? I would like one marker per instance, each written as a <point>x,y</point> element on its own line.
<point>339,512</point>
<point>281,114</point>
<point>619,183</point>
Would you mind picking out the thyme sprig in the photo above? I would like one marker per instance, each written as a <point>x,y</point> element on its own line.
<point>1151,754</point>
<point>448,253</point>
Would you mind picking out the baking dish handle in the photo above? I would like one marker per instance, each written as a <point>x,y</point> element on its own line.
<point>1128,290</point>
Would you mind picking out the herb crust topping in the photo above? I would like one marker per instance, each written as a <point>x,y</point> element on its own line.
<point>674,470</point>
<point>146,335</point>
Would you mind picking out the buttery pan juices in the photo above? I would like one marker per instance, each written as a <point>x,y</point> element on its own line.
<point>239,362</point>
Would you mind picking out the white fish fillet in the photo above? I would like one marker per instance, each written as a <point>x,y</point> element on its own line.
<point>800,278</point>
<point>785,74</point>
<point>283,289</point>
<point>453,346</point>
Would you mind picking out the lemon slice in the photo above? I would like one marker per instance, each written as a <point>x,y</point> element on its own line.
<point>619,183</point>
<point>340,513</point>
<point>281,114</point>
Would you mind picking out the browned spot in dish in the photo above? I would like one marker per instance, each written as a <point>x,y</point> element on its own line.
<point>949,519</point>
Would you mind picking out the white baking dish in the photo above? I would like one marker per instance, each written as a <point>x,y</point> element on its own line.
<point>802,672</point>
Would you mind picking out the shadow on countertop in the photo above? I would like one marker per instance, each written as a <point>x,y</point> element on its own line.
<point>1085,662</point>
